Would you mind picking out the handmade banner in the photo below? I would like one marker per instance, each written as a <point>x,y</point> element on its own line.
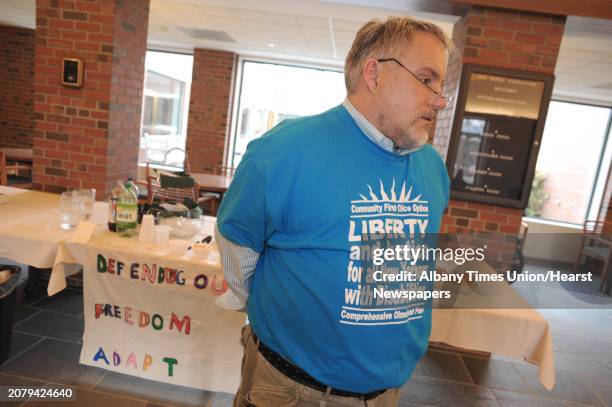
<point>154,317</point>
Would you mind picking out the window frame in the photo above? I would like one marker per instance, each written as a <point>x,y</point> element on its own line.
<point>599,176</point>
<point>230,144</point>
<point>186,95</point>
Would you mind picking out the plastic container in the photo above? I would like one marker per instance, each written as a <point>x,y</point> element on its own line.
<point>200,250</point>
<point>9,276</point>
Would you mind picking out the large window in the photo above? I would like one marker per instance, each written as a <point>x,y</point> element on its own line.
<point>165,108</point>
<point>270,93</point>
<point>572,163</point>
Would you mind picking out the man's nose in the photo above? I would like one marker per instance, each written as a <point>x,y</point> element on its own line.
<point>439,102</point>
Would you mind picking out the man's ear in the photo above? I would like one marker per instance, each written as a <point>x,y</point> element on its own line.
<point>371,73</point>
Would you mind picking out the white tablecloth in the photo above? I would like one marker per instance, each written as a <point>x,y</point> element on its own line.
<point>29,227</point>
<point>518,333</point>
<point>493,317</point>
<point>30,234</point>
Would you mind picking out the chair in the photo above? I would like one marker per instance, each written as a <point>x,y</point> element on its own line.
<point>10,173</point>
<point>598,246</point>
<point>156,147</point>
<point>518,259</point>
<point>175,157</point>
<point>223,170</point>
<point>168,186</point>
<point>215,196</point>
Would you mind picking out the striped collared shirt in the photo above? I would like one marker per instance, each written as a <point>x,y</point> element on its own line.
<point>373,133</point>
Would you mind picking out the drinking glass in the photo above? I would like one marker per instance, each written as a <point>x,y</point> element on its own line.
<point>70,211</point>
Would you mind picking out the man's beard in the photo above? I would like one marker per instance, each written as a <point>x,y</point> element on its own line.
<point>409,138</point>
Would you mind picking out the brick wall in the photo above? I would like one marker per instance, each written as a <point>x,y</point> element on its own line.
<point>17,84</point>
<point>469,217</point>
<point>75,144</point>
<point>129,51</point>
<point>501,38</point>
<point>514,40</point>
<point>209,108</point>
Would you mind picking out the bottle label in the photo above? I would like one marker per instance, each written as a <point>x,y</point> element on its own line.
<point>127,213</point>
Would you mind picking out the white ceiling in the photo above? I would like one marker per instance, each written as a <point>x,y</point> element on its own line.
<point>314,31</point>
<point>321,31</point>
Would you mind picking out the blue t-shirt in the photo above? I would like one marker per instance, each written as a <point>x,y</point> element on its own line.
<point>305,196</point>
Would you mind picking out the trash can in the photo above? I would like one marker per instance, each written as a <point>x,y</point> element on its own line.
<point>9,276</point>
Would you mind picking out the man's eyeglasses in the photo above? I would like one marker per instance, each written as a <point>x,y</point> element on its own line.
<point>448,99</point>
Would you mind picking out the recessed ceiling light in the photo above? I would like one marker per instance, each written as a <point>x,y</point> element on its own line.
<point>271,45</point>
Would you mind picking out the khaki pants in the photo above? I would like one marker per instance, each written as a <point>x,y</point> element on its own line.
<point>264,386</point>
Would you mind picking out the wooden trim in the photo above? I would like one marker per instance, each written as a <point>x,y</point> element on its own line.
<point>583,8</point>
<point>467,70</point>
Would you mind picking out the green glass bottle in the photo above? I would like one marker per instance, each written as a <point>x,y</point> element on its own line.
<point>127,211</point>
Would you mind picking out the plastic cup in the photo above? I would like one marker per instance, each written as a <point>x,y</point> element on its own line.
<point>162,234</point>
<point>147,229</point>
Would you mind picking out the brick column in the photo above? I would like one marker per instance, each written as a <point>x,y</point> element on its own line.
<point>502,38</point>
<point>209,108</point>
<point>17,84</point>
<point>444,121</point>
<point>89,136</point>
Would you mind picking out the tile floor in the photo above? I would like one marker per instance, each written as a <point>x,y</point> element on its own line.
<point>46,346</point>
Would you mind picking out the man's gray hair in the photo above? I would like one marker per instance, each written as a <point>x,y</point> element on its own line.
<point>377,38</point>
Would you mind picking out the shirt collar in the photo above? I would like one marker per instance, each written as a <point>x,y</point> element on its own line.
<point>373,133</point>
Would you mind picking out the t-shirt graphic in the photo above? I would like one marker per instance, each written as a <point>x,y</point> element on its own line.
<point>386,216</point>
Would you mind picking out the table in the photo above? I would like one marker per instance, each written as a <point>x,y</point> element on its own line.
<point>217,184</point>
<point>494,318</point>
<point>213,183</point>
<point>208,357</point>
<point>30,232</point>
<point>24,155</point>
<point>14,162</point>
<point>200,351</point>
<point>151,313</point>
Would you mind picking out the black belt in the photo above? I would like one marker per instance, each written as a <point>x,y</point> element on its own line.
<point>299,375</point>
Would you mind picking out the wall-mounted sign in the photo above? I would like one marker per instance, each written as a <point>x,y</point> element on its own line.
<point>504,96</point>
<point>72,72</point>
<point>496,134</point>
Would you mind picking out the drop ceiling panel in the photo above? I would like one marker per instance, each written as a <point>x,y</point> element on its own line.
<point>300,29</point>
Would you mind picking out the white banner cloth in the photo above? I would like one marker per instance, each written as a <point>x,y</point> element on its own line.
<point>151,314</point>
